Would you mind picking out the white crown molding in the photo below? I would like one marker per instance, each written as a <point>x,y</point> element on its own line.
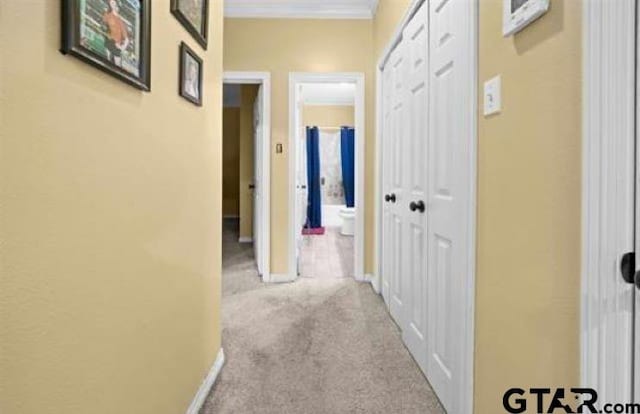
<point>287,9</point>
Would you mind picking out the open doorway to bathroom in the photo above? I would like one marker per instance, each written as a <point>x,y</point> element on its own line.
<point>327,152</point>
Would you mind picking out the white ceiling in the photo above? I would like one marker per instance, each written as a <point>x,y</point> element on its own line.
<point>329,93</point>
<point>323,9</point>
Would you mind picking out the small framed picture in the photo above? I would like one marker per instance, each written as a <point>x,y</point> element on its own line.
<point>518,14</point>
<point>112,35</point>
<point>194,16</point>
<point>190,75</point>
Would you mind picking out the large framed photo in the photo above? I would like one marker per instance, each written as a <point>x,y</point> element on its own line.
<point>112,35</point>
<point>518,14</point>
<point>190,75</point>
<point>194,16</point>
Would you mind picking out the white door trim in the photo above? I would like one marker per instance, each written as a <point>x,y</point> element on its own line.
<point>332,77</point>
<point>466,393</point>
<point>264,79</point>
<point>608,132</point>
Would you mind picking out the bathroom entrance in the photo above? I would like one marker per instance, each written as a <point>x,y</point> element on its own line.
<point>326,234</point>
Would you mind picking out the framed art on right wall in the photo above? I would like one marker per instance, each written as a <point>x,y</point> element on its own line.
<point>518,14</point>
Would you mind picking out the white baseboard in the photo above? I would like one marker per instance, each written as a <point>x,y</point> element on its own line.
<point>203,391</point>
<point>281,278</point>
<point>245,240</point>
<point>374,280</point>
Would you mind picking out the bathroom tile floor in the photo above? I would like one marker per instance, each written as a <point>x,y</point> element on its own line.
<point>329,256</point>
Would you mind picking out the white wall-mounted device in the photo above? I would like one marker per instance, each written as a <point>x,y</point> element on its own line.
<point>518,14</point>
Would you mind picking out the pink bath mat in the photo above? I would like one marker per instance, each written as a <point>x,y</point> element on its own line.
<point>318,231</point>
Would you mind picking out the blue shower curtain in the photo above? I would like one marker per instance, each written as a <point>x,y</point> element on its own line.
<point>347,142</point>
<point>314,205</point>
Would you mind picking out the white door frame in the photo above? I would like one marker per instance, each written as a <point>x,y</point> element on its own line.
<point>356,78</point>
<point>608,135</point>
<point>466,393</point>
<point>264,79</point>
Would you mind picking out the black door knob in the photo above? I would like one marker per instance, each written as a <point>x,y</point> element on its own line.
<point>417,206</point>
<point>628,268</point>
<point>392,198</point>
<point>637,280</point>
<point>387,198</point>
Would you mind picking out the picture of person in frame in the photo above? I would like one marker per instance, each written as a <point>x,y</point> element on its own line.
<point>117,39</point>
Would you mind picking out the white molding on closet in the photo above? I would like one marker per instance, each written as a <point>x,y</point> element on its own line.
<point>608,135</point>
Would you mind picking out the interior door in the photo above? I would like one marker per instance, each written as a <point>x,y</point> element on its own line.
<point>451,134</point>
<point>396,198</point>
<point>386,240</point>
<point>301,171</point>
<point>414,262</point>
<point>258,245</point>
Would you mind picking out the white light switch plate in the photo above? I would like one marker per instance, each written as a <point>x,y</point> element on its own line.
<point>492,96</point>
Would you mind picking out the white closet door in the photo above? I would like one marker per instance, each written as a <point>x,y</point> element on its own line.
<point>451,132</point>
<point>387,162</point>
<point>397,184</point>
<point>414,261</point>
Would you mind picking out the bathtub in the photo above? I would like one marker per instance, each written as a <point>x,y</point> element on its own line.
<point>331,215</point>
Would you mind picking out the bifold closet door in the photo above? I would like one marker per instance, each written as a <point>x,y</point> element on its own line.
<point>396,197</point>
<point>414,262</point>
<point>387,264</point>
<point>451,138</point>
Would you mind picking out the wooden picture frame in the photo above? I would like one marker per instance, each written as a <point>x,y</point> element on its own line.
<point>189,19</point>
<point>190,83</point>
<point>111,35</point>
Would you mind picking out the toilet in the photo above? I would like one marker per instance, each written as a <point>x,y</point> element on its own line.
<point>348,215</point>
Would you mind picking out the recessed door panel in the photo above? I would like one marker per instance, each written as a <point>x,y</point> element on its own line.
<point>414,271</point>
<point>397,145</point>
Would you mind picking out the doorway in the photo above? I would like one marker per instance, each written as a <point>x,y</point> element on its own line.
<point>251,93</point>
<point>326,175</point>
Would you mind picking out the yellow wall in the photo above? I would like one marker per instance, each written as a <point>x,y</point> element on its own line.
<point>528,265</point>
<point>291,45</point>
<point>231,162</point>
<point>110,218</point>
<point>248,98</point>
<point>328,115</point>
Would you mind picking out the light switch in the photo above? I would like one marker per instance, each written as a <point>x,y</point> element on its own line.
<point>492,96</point>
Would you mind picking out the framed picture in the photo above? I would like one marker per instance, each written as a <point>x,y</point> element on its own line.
<point>112,35</point>
<point>194,16</point>
<point>190,75</point>
<point>518,14</point>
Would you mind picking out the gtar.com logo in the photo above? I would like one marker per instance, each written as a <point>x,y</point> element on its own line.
<point>576,400</point>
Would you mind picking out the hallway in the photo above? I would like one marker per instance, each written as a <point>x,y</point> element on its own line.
<point>313,346</point>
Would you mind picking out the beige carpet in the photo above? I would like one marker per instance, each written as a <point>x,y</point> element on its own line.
<point>316,346</point>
